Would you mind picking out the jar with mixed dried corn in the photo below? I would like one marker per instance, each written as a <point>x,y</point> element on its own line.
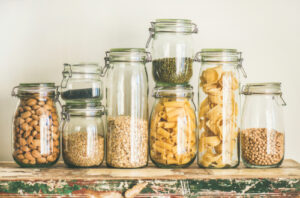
<point>36,135</point>
<point>219,107</point>
<point>262,130</point>
<point>83,135</point>
<point>173,127</point>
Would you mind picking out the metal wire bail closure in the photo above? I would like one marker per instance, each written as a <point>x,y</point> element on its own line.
<point>67,74</point>
<point>64,114</point>
<point>106,64</point>
<point>240,65</point>
<point>13,93</point>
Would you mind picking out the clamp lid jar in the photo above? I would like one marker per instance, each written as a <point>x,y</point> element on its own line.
<point>83,135</point>
<point>81,83</point>
<point>219,108</point>
<point>172,51</point>
<point>35,125</point>
<point>127,108</point>
<point>173,127</point>
<point>262,128</point>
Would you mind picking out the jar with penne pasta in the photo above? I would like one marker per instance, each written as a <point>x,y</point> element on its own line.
<point>173,127</point>
<point>219,107</point>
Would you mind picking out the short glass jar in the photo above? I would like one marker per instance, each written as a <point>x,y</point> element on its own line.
<point>172,51</point>
<point>219,107</point>
<point>262,129</point>
<point>36,136</point>
<point>127,108</point>
<point>81,83</point>
<point>173,127</point>
<point>83,135</point>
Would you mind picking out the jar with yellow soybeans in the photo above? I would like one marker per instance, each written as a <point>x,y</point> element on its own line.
<point>173,127</point>
<point>219,108</point>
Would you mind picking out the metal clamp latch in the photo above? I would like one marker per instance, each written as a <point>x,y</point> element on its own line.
<point>106,64</point>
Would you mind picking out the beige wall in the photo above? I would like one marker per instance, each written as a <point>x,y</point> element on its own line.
<point>37,37</point>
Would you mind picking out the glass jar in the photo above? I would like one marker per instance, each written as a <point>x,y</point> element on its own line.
<point>219,107</point>
<point>172,51</point>
<point>262,128</point>
<point>173,127</point>
<point>81,83</point>
<point>83,135</point>
<point>127,108</point>
<point>35,125</point>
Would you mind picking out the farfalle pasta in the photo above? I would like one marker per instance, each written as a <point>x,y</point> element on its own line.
<point>218,117</point>
<point>173,133</point>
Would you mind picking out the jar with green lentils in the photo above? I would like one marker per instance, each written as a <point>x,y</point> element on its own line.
<point>172,51</point>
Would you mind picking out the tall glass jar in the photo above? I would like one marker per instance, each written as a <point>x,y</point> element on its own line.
<point>127,108</point>
<point>172,51</point>
<point>262,129</point>
<point>81,83</point>
<point>83,135</point>
<point>173,127</point>
<point>219,107</point>
<point>36,125</point>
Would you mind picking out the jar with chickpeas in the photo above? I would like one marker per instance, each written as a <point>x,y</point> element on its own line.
<point>262,128</point>
<point>35,125</point>
<point>173,127</point>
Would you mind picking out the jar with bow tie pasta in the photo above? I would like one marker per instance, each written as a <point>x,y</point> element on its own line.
<point>219,108</point>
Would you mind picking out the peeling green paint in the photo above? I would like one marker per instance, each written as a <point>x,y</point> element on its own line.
<point>191,188</point>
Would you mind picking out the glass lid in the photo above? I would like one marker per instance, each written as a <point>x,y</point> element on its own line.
<point>127,55</point>
<point>174,25</point>
<point>81,68</point>
<point>262,88</point>
<point>32,88</point>
<point>88,109</point>
<point>173,91</point>
<point>219,55</point>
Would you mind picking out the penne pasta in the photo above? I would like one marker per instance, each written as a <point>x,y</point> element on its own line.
<point>173,137</point>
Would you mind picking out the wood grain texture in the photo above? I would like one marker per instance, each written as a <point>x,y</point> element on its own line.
<point>190,182</point>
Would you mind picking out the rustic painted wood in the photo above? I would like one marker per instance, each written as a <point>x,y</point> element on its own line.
<point>191,182</point>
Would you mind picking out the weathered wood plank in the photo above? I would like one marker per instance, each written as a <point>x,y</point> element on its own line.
<point>190,182</point>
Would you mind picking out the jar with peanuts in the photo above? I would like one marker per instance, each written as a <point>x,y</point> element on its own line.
<point>219,108</point>
<point>262,127</point>
<point>83,135</point>
<point>173,127</point>
<point>36,136</point>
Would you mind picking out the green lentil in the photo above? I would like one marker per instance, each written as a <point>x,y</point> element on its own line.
<point>172,70</point>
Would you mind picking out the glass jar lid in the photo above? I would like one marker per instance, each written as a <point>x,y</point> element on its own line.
<point>185,91</point>
<point>83,109</point>
<point>262,88</point>
<point>81,68</point>
<point>27,89</point>
<point>219,55</point>
<point>174,25</point>
<point>127,55</point>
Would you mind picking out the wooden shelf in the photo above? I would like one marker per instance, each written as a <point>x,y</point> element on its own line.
<point>193,181</point>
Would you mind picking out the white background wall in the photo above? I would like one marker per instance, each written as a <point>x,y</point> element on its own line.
<point>37,37</point>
